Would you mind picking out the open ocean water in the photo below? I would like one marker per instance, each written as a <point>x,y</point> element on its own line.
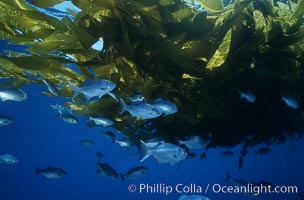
<point>39,138</point>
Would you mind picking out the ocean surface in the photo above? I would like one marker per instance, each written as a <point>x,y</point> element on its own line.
<point>39,138</point>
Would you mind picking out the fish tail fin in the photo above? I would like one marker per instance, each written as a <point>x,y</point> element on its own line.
<point>123,177</point>
<point>241,94</point>
<point>145,151</point>
<point>123,106</point>
<point>38,170</point>
<point>228,177</point>
<point>75,89</point>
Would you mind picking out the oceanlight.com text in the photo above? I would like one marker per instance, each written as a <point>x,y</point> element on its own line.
<point>253,189</point>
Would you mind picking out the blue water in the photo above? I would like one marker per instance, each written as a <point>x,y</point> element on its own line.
<point>39,138</point>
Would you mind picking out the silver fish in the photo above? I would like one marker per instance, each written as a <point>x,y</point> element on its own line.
<point>106,171</point>
<point>194,142</point>
<point>249,96</point>
<point>51,87</point>
<point>93,88</point>
<point>101,121</point>
<point>290,101</point>
<point>136,98</point>
<point>4,121</point>
<point>12,94</point>
<point>164,106</point>
<point>51,172</point>
<point>192,197</point>
<point>134,173</point>
<point>163,153</point>
<point>8,159</point>
<point>124,143</point>
<point>70,119</point>
<point>141,110</point>
<point>60,108</point>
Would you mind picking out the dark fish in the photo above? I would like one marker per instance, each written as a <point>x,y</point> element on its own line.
<point>227,153</point>
<point>51,172</point>
<point>235,182</point>
<point>4,121</point>
<point>203,156</point>
<point>99,155</point>
<point>134,173</point>
<point>87,142</point>
<point>110,135</point>
<point>263,150</point>
<point>106,171</point>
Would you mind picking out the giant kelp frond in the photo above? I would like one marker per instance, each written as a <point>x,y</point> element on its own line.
<point>172,49</point>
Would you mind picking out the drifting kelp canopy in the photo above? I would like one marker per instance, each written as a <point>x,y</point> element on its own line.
<point>175,50</point>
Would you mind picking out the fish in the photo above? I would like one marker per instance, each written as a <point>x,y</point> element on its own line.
<point>124,143</point>
<point>51,172</point>
<point>101,121</point>
<point>51,87</point>
<point>241,183</point>
<point>12,94</point>
<point>136,98</point>
<point>8,159</point>
<point>227,153</point>
<point>248,96</point>
<point>141,110</point>
<point>93,88</point>
<point>164,106</point>
<point>60,108</point>
<point>70,119</point>
<point>290,102</point>
<point>194,142</point>
<point>110,135</point>
<point>106,171</point>
<point>192,197</point>
<point>4,121</point>
<point>263,150</point>
<point>163,153</point>
<point>99,155</point>
<point>203,156</point>
<point>134,173</point>
<point>87,142</point>
<point>235,182</point>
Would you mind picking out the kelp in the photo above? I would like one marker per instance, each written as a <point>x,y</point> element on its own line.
<point>197,58</point>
